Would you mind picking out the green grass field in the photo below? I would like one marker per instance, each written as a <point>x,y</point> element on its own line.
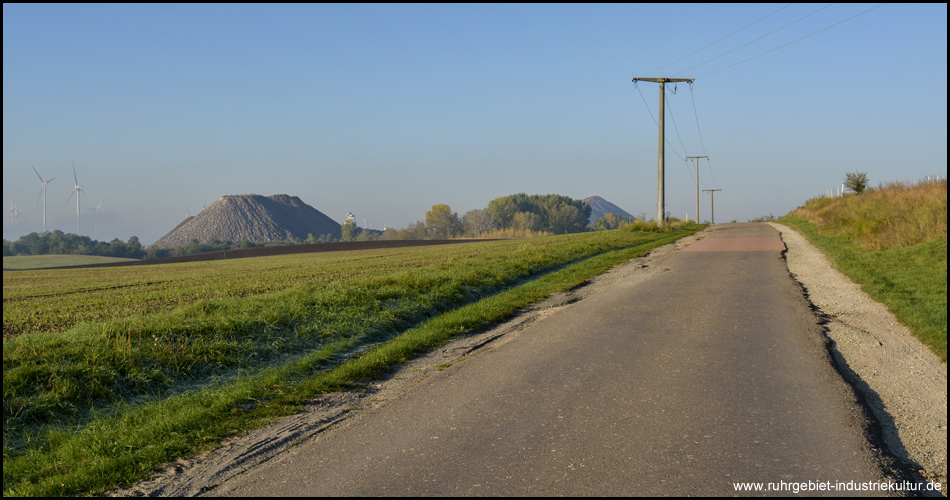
<point>43,261</point>
<point>893,242</point>
<point>110,372</point>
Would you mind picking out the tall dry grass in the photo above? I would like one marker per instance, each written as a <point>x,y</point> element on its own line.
<point>512,233</point>
<point>895,215</point>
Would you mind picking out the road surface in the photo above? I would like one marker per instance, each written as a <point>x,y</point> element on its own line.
<point>710,373</point>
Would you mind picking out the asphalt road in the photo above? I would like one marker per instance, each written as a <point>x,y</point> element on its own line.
<point>709,373</point>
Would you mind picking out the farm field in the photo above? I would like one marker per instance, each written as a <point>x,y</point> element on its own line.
<point>109,372</point>
<point>41,261</point>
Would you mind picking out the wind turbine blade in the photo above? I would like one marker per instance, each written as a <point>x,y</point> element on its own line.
<point>51,180</point>
<point>74,174</point>
<point>70,196</point>
<point>37,173</point>
<point>39,196</point>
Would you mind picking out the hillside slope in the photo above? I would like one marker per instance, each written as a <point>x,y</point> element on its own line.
<point>601,207</point>
<point>892,241</point>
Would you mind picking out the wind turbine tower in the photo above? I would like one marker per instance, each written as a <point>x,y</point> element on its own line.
<point>43,194</point>
<point>97,216</point>
<point>15,213</point>
<point>77,188</point>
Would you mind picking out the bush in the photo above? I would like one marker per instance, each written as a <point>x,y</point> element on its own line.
<point>857,182</point>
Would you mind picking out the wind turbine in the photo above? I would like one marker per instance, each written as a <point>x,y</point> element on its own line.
<point>43,194</point>
<point>97,216</point>
<point>77,188</point>
<point>365,223</point>
<point>15,213</point>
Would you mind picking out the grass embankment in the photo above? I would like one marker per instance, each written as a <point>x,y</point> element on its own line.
<point>41,261</point>
<point>100,402</point>
<point>893,242</point>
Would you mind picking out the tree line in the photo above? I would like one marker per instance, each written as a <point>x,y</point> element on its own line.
<point>59,243</point>
<point>515,216</point>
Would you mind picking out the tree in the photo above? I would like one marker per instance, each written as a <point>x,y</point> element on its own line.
<point>523,221</point>
<point>366,235</point>
<point>416,231</point>
<point>442,223</point>
<point>504,209</point>
<point>349,231</point>
<point>134,248</point>
<point>549,213</point>
<point>567,218</point>
<point>857,182</point>
<point>477,222</point>
<point>609,221</point>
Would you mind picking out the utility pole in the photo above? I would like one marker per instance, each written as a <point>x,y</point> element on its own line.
<point>660,181</point>
<point>712,202</point>
<point>696,161</point>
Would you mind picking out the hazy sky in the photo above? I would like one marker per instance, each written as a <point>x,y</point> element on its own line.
<point>386,110</point>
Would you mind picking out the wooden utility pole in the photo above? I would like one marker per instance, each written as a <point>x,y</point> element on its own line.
<point>696,160</point>
<point>660,182</point>
<point>712,202</point>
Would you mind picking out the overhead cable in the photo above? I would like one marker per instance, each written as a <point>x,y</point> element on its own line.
<point>667,141</point>
<point>797,40</point>
<point>756,40</point>
<point>703,144</point>
<point>714,43</point>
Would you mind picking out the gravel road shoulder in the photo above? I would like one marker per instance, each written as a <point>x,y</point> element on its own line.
<point>901,380</point>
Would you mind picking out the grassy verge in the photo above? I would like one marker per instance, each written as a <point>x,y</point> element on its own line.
<point>911,281</point>
<point>175,383</point>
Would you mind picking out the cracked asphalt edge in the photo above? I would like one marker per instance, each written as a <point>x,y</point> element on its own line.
<point>901,381</point>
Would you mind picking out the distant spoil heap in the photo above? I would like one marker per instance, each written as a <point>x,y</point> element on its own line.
<point>253,218</point>
<point>601,207</point>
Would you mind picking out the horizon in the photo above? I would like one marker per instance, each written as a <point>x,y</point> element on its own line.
<point>387,110</point>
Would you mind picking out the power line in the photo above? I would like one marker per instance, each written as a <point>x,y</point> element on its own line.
<point>798,40</point>
<point>717,41</point>
<point>685,151</point>
<point>701,143</point>
<point>677,128</point>
<point>682,144</point>
<point>709,166</point>
<point>656,123</point>
<point>757,39</point>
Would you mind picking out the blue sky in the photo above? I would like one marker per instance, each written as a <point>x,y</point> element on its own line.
<point>386,110</point>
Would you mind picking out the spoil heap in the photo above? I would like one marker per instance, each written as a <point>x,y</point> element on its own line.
<point>253,218</point>
<point>601,207</point>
